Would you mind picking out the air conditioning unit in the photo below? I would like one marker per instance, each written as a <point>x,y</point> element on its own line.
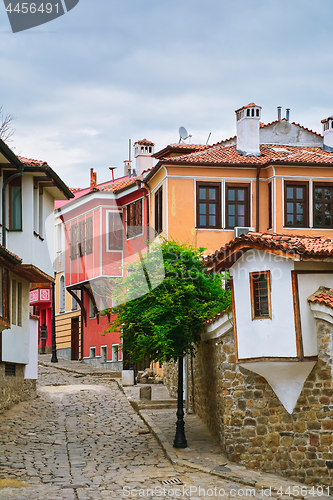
<point>242,230</point>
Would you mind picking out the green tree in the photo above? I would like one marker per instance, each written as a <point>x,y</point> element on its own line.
<point>165,323</point>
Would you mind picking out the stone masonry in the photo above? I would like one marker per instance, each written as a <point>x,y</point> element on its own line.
<point>252,426</point>
<point>14,389</point>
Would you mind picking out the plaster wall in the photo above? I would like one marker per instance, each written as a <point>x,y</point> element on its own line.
<point>268,337</point>
<point>285,133</point>
<point>36,250</point>
<point>328,136</point>
<point>15,341</point>
<point>307,285</point>
<point>31,369</point>
<point>248,135</point>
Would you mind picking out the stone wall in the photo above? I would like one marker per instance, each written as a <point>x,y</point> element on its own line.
<point>252,426</point>
<point>170,378</point>
<point>14,389</point>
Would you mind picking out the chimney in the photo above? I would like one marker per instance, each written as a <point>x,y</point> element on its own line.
<point>279,112</point>
<point>93,180</point>
<point>287,114</point>
<point>127,168</point>
<point>143,152</point>
<point>328,134</point>
<point>247,121</point>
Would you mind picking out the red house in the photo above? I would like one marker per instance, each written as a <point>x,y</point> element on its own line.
<point>104,229</point>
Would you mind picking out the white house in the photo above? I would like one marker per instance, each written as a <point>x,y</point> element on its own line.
<point>28,191</point>
<point>262,377</point>
<point>272,277</point>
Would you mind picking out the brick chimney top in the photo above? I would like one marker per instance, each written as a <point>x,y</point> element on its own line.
<point>93,180</point>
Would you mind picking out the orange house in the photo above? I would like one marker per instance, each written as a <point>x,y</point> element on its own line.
<point>274,177</point>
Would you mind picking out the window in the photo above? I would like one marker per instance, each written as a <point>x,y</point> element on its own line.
<point>270,218</point>
<point>74,241</point>
<point>134,219</point>
<point>16,303</point>
<point>208,205</point>
<point>82,238</point>
<point>62,295</point>
<point>296,204</point>
<point>104,350</point>
<point>260,295</point>
<point>322,205</point>
<point>15,204</point>
<point>115,352</point>
<point>4,295</point>
<point>159,210</point>
<point>237,205</point>
<point>92,311</point>
<point>89,235</point>
<point>40,214</point>
<point>19,304</point>
<point>59,246</point>
<point>10,370</point>
<point>36,210</point>
<point>93,352</point>
<point>115,231</point>
<point>74,302</point>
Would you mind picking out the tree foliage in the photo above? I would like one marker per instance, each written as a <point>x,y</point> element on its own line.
<point>166,322</point>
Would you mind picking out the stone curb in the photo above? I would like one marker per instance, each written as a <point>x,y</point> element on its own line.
<point>168,449</point>
<point>70,370</point>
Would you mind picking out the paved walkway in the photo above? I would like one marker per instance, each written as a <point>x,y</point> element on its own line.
<point>82,440</point>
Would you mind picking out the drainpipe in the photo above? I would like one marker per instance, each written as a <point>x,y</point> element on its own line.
<point>257,199</point>
<point>5,184</point>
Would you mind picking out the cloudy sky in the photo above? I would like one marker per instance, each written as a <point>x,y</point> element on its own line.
<point>84,84</point>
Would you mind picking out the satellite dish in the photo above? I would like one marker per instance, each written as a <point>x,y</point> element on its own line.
<point>183,133</point>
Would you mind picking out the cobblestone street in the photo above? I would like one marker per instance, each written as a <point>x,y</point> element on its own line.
<point>81,439</point>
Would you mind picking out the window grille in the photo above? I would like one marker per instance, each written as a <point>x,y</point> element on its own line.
<point>260,295</point>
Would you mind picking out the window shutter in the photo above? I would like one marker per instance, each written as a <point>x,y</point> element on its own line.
<point>89,235</point>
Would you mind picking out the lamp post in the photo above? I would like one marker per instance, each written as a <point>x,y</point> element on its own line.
<point>180,438</point>
<point>54,358</point>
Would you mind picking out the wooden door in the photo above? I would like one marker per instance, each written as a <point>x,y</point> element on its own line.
<point>75,336</point>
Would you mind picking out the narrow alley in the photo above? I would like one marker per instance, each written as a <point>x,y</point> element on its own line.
<point>82,440</point>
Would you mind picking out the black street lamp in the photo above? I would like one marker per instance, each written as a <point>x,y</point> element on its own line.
<point>180,438</point>
<point>54,358</point>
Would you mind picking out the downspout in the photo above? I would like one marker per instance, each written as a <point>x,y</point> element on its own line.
<point>257,199</point>
<point>5,184</point>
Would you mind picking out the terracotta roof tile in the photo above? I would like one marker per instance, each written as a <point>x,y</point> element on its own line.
<point>144,142</point>
<point>228,154</point>
<point>215,318</point>
<point>10,254</point>
<point>118,186</point>
<point>323,296</point>
<point>315,247</point>
<point>250,105</point>
<point>33,163</point>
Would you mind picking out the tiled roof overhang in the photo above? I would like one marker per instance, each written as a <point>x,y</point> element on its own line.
<point>290,246</point>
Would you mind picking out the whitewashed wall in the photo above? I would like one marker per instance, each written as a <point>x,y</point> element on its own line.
<point>265,337</point>
<point>25,244</point>
<point>15,341</point>
<point>307,285</point>
<point>284,132</point>
<point>31,369</point>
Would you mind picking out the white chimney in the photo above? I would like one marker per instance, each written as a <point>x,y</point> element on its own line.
<point>328,133</point>
<point>127,167</point>
<point>248,121</point>
<point>143,151</point>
